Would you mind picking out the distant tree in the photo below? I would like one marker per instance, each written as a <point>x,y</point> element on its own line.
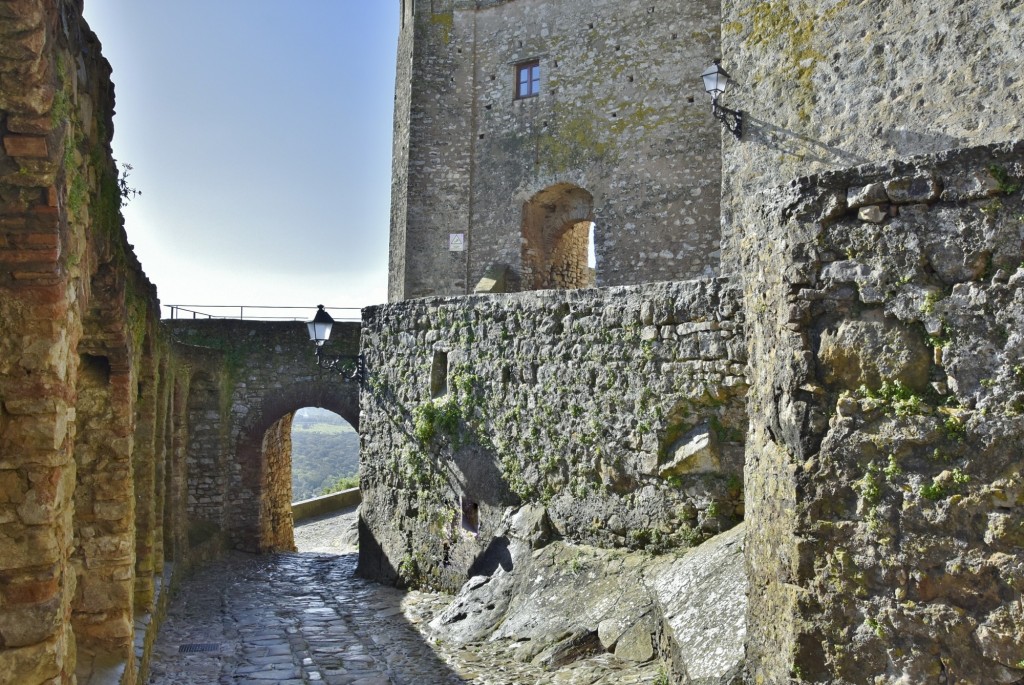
<point>343,483</point>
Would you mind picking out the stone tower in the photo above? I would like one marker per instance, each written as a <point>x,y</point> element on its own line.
<point>531,132</point>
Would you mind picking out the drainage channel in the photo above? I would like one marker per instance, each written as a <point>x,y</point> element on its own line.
<point>198,647</point>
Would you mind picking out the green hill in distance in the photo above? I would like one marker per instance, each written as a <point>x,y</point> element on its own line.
<point>325,454</point>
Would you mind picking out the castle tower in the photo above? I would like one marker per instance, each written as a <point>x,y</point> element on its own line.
<point>529,133</point>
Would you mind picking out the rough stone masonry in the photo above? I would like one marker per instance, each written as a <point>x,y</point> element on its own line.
<point>616,133</point>
<point>621,410</point>
<point>884,482</point>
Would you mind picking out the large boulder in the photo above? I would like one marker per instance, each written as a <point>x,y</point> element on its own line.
<point>564,602</point>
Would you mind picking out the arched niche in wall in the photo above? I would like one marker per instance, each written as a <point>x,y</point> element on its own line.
<point>144,460</point>
<point>174,474</point>
<point>205,466</point>
<point>104,490</point>
<point>558,226</point>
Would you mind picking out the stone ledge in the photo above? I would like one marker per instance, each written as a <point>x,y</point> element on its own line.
<point>308,508</point>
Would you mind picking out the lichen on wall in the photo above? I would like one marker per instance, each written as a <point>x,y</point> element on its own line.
<point>619,410</point>
<point>835,84</point>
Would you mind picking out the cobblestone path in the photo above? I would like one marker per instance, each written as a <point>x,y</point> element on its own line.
<point>306,618</point>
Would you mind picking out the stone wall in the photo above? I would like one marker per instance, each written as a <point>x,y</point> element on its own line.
<point>79,450</point>
<point>833,84</point>
<point>620,115</point>
<point>276,511</point>
<point>885,310</point>
<point>620,410</point>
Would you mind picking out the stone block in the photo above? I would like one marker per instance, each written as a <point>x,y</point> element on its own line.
<point>873,214</point>
<point>976,185</point>
<point>30,125</point>
<point>911,189</point>
<point>37,663</point>
<point>870,194</point>
<point>49,493</point>
<point>29,623</point>
<point>98,593</point>
<point>694,452</point>
<point>869,352</point>
<point>25,46</point>
<point>26,146</point>
<point>27,546</point>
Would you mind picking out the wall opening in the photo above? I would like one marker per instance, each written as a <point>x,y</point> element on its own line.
<point>470,516</point>
<point>325,454</point>
<point>94,369</point>
<point>439,374</point>
<point>174,474</point>
<point>558,239</point>
<point>104,522</point>
<point>144,461</point>
<point>260,511</point>
<point>591,248</point>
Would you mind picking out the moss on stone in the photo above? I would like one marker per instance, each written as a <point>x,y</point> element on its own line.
<point>775,25</point>
<point>445,21</point>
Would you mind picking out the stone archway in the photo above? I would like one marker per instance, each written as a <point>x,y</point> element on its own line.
<point>557,225</point>
<point>263,371</point>
<point>261,521</point>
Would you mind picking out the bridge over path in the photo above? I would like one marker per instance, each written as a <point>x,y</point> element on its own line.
<point>247,379</point>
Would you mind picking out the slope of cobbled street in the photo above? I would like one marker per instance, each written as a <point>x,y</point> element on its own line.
<point>307,618</point>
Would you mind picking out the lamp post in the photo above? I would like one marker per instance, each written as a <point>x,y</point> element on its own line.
<point>716,81</point>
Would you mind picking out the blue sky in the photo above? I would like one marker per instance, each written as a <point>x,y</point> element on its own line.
<point>259,132</point>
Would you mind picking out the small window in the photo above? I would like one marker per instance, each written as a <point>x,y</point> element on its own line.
<point>527,79</point>
<point>439,374</point>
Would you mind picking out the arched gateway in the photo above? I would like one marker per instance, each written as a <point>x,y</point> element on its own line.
<point>239,480</point>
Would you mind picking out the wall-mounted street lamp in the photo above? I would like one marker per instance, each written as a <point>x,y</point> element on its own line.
<point>716,80</point>
<point>320,328</point>
<point>320,333</point>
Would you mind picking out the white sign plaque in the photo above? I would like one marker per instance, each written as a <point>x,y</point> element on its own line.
<point>456,242</point>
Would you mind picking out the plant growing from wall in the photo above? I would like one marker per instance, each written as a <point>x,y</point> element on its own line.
<point>127,192</point>
<point>895,397</point>
<point>1005,183</point>
<point>436,416</point>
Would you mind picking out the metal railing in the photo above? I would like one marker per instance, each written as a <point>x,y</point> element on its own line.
<point>255,312</point>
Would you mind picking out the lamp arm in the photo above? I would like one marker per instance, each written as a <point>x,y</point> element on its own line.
<point>732,118</point>
<point>343,364</point>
